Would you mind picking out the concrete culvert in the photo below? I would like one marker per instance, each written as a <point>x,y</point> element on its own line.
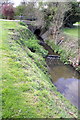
<point>37,32</point>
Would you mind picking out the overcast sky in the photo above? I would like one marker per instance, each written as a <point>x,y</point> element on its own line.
<point>17,2</point>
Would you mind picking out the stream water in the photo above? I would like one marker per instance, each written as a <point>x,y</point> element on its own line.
<point>64,77</point>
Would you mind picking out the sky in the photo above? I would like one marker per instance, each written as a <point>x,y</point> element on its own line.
<point>17,2</point>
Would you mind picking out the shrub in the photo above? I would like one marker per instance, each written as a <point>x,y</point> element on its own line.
<point>8,11</point>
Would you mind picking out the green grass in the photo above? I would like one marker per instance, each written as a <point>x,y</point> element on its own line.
<point>77,23</point>
<point>72,31</point>
<point>27,91</point>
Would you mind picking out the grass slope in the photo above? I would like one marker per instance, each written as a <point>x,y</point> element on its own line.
<point>72,31</point>
<point>27,89</point>
<point>72,44</point>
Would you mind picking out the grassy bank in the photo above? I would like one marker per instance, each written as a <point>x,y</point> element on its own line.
<point>72,31</point>
<point>68,49</point>
<point>27,89</point>
<point>72,43</point>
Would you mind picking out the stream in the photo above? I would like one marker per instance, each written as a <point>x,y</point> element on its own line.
<point>64,77</point>
<point>66,80</point>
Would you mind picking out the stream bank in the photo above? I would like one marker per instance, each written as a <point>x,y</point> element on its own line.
<point>68,48</point>
<point>64,77</point>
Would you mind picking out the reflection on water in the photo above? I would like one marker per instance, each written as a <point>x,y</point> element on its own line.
<point>66,79</point>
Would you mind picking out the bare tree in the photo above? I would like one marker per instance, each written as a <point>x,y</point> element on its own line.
<point>56,25</point>
<point>29,11</point>
<point>32,11</point>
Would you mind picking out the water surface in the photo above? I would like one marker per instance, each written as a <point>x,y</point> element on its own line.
<point>66,79</point>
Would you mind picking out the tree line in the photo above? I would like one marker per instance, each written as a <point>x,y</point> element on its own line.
<point>50,15</point>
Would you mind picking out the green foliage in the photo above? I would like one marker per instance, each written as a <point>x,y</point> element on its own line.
<point>27,11</point>
<point>58,49</point>
<point>28,39</point>
<point>48,13</point>
<point>73,15</point>
<point>19,10</point>
<point>22,23</point>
